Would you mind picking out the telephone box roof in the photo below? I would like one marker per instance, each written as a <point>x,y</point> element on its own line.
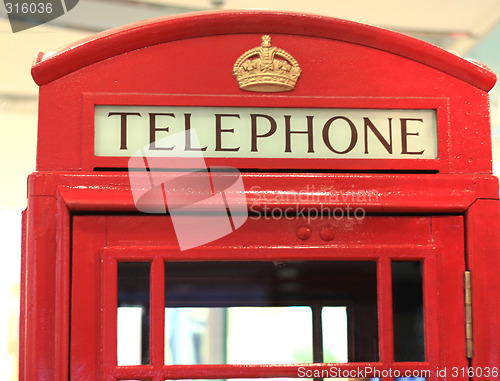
<point>51,66</point>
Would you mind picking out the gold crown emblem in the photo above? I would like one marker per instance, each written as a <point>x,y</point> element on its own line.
<point>266,68</point>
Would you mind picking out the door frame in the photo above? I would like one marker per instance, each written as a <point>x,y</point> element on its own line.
<point>96,257</point>
<point>54,197</point>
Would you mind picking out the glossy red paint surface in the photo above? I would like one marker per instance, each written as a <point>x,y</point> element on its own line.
<point>344,65</point>
<point>48,67</point>
<point>483,260</point>
<point>80,220</point>
<point>435,241</point>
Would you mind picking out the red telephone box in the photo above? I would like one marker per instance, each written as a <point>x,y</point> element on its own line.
<point>314,190</point>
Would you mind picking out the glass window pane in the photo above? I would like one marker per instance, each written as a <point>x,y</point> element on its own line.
<point>194,335</point>
<point>335,341</point>
<point>133,313</point>
<point>236,335</point>
<point>213,307</point>
<point>129,335</point>
<point>408,311</point>
<point>269,335</point>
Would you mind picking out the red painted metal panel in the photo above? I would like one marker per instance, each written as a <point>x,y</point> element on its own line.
<point>41,359</point>
<point>483,260</point>
<point>281,232</point>
<point>89,236</point>
<point>448,232</point>
<point>139,35</point>
<point>142,238</point>
<point>376,193</point>
<point>329,53</point>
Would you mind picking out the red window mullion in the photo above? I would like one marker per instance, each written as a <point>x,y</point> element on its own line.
<point>431,308</point>
<point>129,372</point>
<point>157,326</point>
<point>109,334</point>
<point>385,334</point>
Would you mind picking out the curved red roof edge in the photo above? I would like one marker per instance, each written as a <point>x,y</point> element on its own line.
<point>51,66</point>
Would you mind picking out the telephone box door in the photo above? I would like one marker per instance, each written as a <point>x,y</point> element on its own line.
<point>377,296</point>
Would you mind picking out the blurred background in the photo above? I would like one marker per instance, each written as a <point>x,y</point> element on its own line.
<point>468,28</point>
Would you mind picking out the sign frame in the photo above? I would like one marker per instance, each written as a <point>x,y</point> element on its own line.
<point>92,162</point>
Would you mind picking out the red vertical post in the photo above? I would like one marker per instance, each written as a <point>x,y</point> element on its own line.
<point>40,357</point>
<point>86,288</point>
<point>483,260</point>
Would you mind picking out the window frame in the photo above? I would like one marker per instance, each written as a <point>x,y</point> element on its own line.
<point>157,256</point>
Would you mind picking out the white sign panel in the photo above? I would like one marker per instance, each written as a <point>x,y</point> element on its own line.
<point>248,132</point>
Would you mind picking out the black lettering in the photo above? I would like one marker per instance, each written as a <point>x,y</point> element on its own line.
<point>187,129</point>
<point>271,131</point>
<point>289,132</point>
<point>153,129</point>
<point>326,134</point>
<point>387,145</point>
<point>404,136</point>
<point>219,130</point>
<point>123,126</point>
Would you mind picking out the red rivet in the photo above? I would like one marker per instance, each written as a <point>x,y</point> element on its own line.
<point>327,233</point>
<point>304,232</point>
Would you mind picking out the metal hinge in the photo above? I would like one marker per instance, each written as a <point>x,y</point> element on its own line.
<point>469,344</point>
